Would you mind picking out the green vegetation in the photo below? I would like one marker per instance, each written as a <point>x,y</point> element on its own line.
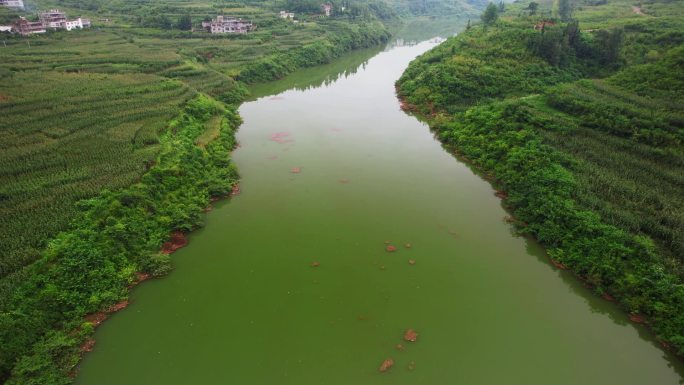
<point>584,131</point>
<point>96,171</point>
<point>346,38</point>
<point>437,8</point>
<point>490,15</point>
<point>113,236</point>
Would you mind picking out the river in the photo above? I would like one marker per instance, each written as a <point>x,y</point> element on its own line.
<point>290,282</point>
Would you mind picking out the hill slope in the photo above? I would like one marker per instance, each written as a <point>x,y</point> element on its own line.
<point>582,124</point>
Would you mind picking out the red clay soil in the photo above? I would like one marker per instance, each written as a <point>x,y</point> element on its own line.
<point>235,190</point>
<point>411,335</point>
<point>637,318</point>
<point>3,98</point>
<point>118,306</point>
<point>558,264</point>
<point>97,318</point>
<point>608,297</point>
<point>177,241</point>
<point>139,277</point>
<point>386,365</point>
<point>87,346</point>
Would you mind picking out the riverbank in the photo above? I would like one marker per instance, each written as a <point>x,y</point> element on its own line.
<point>577,159</point>
<point>116,238</point>
<point>46,301</point>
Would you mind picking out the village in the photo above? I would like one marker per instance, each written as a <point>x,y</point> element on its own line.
<point>227,24</point>
<point>53,19</point>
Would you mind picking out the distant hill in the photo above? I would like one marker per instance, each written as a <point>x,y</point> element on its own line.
<point>437,7</point>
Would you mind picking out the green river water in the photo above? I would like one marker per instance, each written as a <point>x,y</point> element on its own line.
<point>244,305</point>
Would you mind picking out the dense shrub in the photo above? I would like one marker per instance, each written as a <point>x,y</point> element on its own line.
<point>114,235</point>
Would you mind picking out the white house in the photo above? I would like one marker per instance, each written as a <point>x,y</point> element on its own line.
<point>224,24</point>
<point>53,18</point>
<point>12,3</point>
<point>78,23</point>
<point>57,19</point>
<point>286,15</point>
<point>327,8</point>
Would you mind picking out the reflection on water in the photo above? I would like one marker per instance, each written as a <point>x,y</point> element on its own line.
<point>412,32</point>
<point>317,76</point>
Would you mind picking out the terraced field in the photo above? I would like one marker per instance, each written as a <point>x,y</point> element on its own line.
<point>69,140</point>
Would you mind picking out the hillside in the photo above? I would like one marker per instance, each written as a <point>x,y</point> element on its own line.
<point>437,8</point>
<point>579,117</point>
<point>115,136</point>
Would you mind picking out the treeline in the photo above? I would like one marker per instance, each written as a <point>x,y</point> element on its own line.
<point>344,38</point>
<point>592,168</point>
<point>114,236</point>
<point>503,139</point>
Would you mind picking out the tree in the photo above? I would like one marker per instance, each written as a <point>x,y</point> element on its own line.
<point>565,8</point>
<point>502,7</point>
<point>608,45</point>
<point>490,15</point>
<point>165,22</point>
<point>468,25</point>
<point>185,23</point>
<point>532,7</point>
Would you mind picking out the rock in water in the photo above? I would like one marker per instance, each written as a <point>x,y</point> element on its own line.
<point>411,335</point>
<point>391,248</point>
<point>386,365</point>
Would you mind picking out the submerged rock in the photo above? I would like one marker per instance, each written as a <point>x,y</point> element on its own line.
<point>390,248</point>
<point>281,137</point>
<point>412,261</point>
<point>411,335</point>
<point>315,264</point>
<point>386,365</point>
